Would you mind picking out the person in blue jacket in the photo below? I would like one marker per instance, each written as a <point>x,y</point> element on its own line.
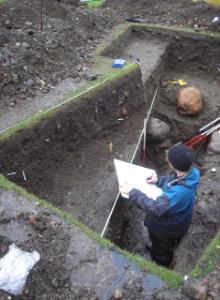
<point>169,216</point>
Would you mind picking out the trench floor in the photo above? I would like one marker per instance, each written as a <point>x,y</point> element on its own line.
<point>85,183</point>
<point>209,87</point>
<point>134,235</point>
<point>147,52</point>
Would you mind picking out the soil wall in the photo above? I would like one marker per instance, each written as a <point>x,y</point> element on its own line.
<point>117,46</point>
<point>88,117</point>
<point>194,60</point>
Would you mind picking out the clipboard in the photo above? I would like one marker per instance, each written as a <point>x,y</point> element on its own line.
<point>136,176</point>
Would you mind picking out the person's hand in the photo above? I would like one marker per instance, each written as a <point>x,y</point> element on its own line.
<point>152,179</point>
<point>125,189</point>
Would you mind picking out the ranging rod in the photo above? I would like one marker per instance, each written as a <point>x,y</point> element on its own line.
<point>133,157</point>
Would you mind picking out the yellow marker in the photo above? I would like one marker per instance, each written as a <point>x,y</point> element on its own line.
<point>216,2</point>
<point>180,82</point>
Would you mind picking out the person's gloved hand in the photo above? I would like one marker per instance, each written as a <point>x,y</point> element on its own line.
<point>153,178</point>
<point>125,189</point>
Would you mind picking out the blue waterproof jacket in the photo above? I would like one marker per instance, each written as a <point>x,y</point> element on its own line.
<point>169,216</point>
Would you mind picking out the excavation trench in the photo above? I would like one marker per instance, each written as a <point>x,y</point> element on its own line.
<point>67,159</point>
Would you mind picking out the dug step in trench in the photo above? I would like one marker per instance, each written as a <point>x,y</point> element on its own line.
<point>168,217</point>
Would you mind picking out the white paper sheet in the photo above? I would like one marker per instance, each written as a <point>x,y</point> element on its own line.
<point>136,177</point>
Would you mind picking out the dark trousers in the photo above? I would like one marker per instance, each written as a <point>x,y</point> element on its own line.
<point>162,250</point>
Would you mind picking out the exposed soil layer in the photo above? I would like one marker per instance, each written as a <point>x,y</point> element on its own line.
<point>196,62</point>
<point>70,163</point>
<point>34,62</point>
<point>67,158</point>
<point>186,12</point>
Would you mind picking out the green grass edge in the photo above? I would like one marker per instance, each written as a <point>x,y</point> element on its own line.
<point>181,29</point>
<point>172,278</point>
<point>209,259</point>
<point>102,81</point>
<point>95,3</point>
<point>70,97</point>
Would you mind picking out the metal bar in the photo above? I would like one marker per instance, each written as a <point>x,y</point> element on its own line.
<point>201,131</point>
<point>211,130</point>
<point>137,146</point>
<point>133,157</point>
<point>209,124</point>
<point>196,139</point>
<point>145,125</point>
<point>41,16</point>
<point>109,216</point>
<point>147,119</point>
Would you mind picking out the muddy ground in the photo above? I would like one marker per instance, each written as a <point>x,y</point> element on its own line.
<point>34,63</point>
<point>83,182</point>
<point>198,15</point>
<point>127,228</point>
<point>71,265</point>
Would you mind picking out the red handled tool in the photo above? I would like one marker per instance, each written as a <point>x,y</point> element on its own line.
<point>197,138</point>
<point>198,135</point>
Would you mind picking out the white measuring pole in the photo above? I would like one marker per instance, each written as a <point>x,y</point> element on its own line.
<point>133,157</point>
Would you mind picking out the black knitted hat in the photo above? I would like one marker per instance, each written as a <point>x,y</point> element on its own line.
<point>180,157</point>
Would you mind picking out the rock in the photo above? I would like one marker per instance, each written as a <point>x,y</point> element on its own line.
<point>8,24</point>
<point>213,170</point>
<point>12,103</point>
<point>32,220</point>
<point>24,44</point>
<point>29,82</point>
<point>30,32</point>
<point>27,23</point>
<point>214,144</point>
<point>41,82</point>
<point>14,76</point>
<point>195,289</point>
<point>124,111</point>
<point>189,101</point>
<point>55,282</point>
<point>157,130</point>
<point>118,293</point>
<point>91,77</point>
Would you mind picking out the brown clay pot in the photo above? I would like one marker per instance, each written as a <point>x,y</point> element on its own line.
<point>189,101</point>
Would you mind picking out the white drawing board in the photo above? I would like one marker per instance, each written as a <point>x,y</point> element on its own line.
<point>136,177</point>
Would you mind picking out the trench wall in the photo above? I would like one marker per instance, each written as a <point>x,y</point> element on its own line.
<point>75,122</point>
<point>84,118</point>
